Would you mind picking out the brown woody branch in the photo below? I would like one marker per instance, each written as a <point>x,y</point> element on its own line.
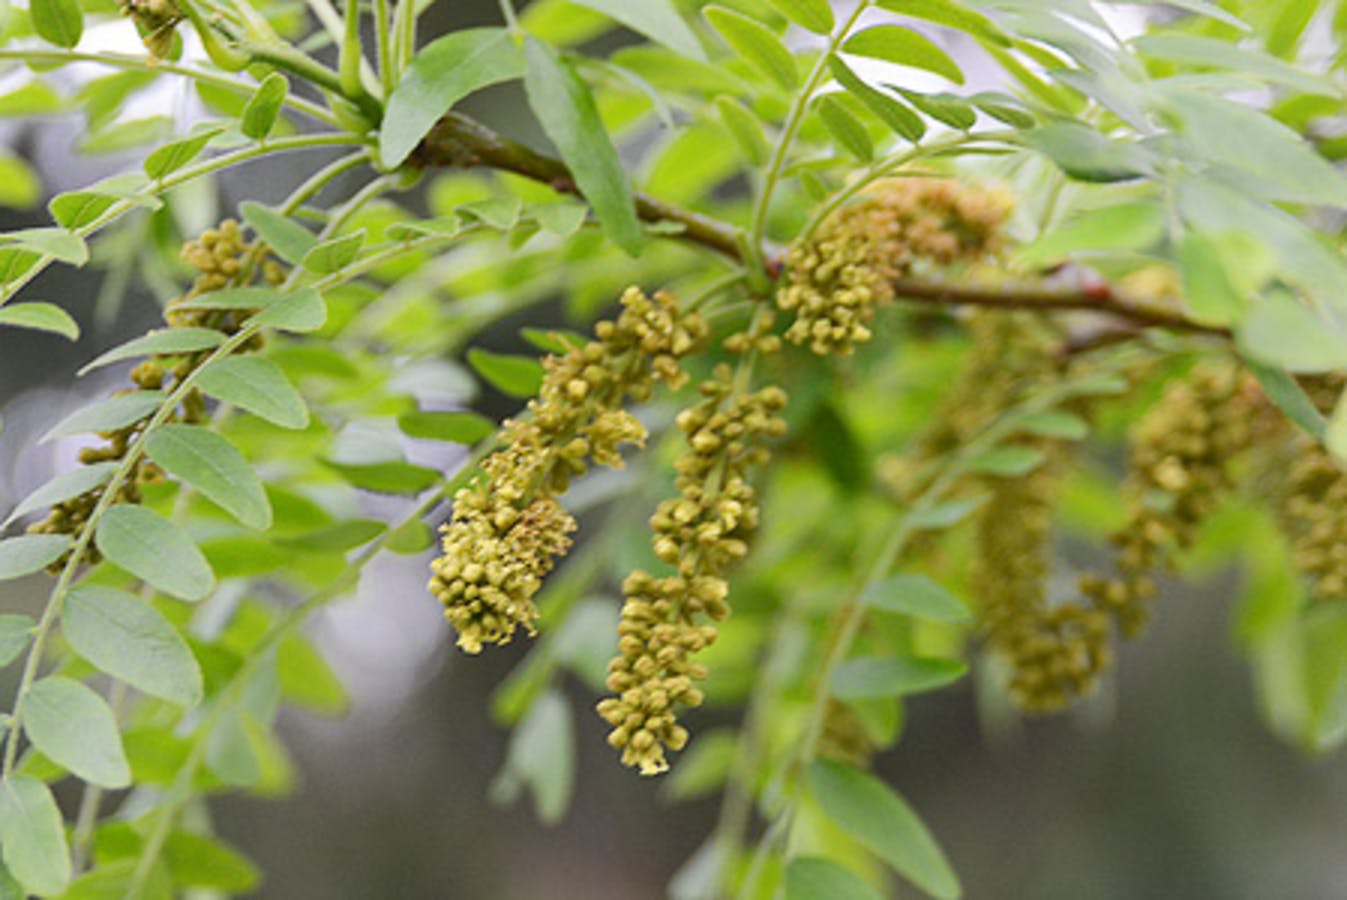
<point>459,141</point>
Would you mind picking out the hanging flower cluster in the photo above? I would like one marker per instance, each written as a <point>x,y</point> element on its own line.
<point>838,275</point>
<point>701,533</point>
<point>508,527</point>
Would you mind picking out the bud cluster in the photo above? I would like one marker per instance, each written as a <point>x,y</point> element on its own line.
<point>508,527</point>
<point>700,534</point>
<point>838,275</point>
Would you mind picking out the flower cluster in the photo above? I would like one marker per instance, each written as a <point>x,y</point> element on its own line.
<point>507,527</point>
<point>700,534</point>
<point>1055,652</point>
<point>837,276</point>
<point>223,259</point>
<point>1313,496</point>
<point>1181,467</point>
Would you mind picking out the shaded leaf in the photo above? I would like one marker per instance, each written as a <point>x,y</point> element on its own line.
<point>257,385</point>
<point>287,238</point>
<point>259,115</point>
<point>386,477</point>
<point>870,811</point>
<point>902,45</point>
<point>443,72</point>
<point>107,415</point>
<point>916,595</point>
<point>64,486</point>
<point>152,548</point>
<point>755,43</point>
<point>656,19</point>
<point>74,728</point>
<point>159,341</point>
<point>16,631</point>
<point>816,878</point>
<point>897,116</point>
<point>567,112</point>
<point>40,317</point>
<point>456,427</point>
<point>129,639</point>
<point>32,836</point>
<point>518,376</point>
<point>29,553</point>
<point>866,678</point>
<point>213,466</point>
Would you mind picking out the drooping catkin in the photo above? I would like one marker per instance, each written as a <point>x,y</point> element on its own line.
<point>1181,467</point>
<point>699,534</point>
<point>508,526</point>
<point>837,276</point>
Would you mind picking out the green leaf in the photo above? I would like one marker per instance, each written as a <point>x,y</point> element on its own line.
<point>336,538</point>
<point>745,128</point>
<point>1208,288</point>
<point>953,15</point>
<point>443,72</point>
<point>867,678</point>
<point>16,631</point>
<point>816,878</point>
<point>1054,423</point>
<point>898,117</point>
<point>74,728</point>
<point>287,238</point>
<point>656,19</point>
<point>107,415</point>
<point>161,341</point>
<point>902,45</point>
<point>54,242</point>
<point>32,99</point>
<point>813,15</point>
<point>1003,108</point>
<point>40,317</point>
<point>500,213</point>
<point>256,385</point>
<point>562,219</point>
<point>19,184</point>
<point>1223,55</point>
<point>259,115</point>
<point>1280,331</point>
<point>518,376</point>
<point>29,553</point>
<point>1009,461</point>
<point>950,109</point>
<point>334,255</point>
<point>873,813</point>
<point>202,861</point>
<point>60,22</point>
<point>213,466</point>
<point>916,595</point>
<point>75,209</point>
<point>32,836</point>
<point>301,312</point>
<point>129,639</point>
<point>1274,161</point>
<point>152,548</point>
<point>307,680</point>
<point>1122,226</point>
<point>945,515</point>
<point>386,477</point>
<point>171,157</point>
<point>569,117</point>
<point>1200,7</point>
<point>704,767</point>
<point>756,44</point>
<point>1086,155</point>
<point>456,427</point>
<point>541,756</point>
<point>410,538</point>
<point>128,134</point>
<point>1290,398</point>
<point>845,128</point>
<point>63,487</point>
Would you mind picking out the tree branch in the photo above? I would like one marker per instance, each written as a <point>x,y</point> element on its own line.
<point>1098,297</point>
<point>458,141</point>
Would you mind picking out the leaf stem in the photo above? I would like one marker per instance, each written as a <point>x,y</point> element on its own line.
<point>757,231</point>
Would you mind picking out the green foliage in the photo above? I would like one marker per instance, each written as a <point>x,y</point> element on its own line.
<point>1176,195</point>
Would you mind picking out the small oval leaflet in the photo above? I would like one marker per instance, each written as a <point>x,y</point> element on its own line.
<point>212,465</point>
<point>107,415</point>
<point>129,639</point>
<point>257,385</point>
<point>32,835</point>
<point>74,728</point>
<point>29,553</point>
<point>150,547</point>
